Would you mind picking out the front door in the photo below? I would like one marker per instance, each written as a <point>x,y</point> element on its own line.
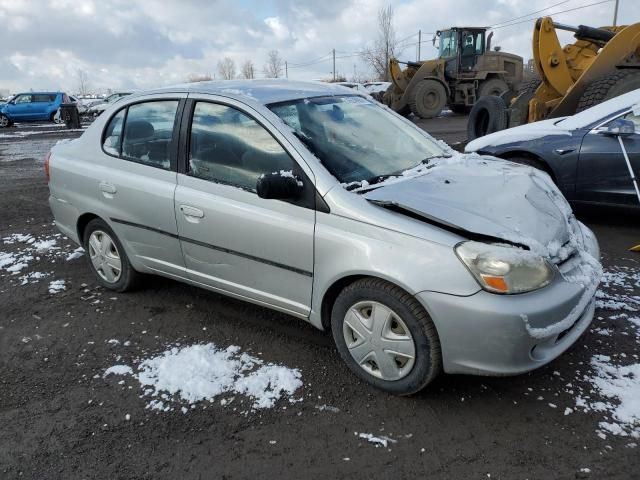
<point>21,108</point>
<point>232,240</point>
<point>603,175</point>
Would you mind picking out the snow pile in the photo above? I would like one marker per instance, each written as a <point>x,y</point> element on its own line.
<point>380,441</point>
<point>619,385</point>
<point>618,285</point>
<point>56,286</point>
<point>202,372</point>
<point>24,249</point>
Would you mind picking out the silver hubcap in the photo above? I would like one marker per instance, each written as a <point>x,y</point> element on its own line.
<point>378,340</point>
<point>4,121</point>
<point>105,256</point>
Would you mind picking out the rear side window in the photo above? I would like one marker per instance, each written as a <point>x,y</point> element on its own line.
<point>43,97</point>
<point>113,134</point>
<point>228,146</point>
<point>143,133</point>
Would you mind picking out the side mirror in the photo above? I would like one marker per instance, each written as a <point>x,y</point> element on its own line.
<point>282,185</point>
<point>619,128</point>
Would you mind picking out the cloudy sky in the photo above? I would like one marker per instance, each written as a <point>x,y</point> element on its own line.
<point>148,43</point>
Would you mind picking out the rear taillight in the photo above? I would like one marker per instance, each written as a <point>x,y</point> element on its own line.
<point>46,165</point>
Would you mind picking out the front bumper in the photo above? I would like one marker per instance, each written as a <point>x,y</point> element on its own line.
<point>490,334</point>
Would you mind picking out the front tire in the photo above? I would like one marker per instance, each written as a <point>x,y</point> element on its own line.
<point>386,337</point>
<point>107,258</point>
<point>4,121</point>
<point>428,99</point>
<point>493,86</point>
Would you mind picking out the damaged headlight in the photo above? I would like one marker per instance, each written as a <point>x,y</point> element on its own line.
<point>505,269</point>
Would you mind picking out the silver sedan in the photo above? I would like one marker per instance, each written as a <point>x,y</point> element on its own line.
<point>313,200</point>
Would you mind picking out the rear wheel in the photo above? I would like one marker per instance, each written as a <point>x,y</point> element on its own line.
<point>610,86</point>
<point>107,258</point>
<point>56,117</point>
<point>488,115</point>
<point>4,121</point>
<point>493,86</point>
<point>428,99</point>
<point>386,337</point>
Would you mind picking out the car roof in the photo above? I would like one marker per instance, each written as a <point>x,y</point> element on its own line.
<point>264,91</point>
<point>38,93</point>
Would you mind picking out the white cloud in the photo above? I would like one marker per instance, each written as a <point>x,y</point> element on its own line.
<point>149,43</point>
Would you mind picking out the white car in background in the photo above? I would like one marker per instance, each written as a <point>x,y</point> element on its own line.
<point>97,109</point>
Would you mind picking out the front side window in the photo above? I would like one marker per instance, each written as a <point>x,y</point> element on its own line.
<point>355,139</point>
<point>23,99</point>
<point>449,44</point>
<point>634,118</point>
<point>148,133</point>
<point>227,146</point>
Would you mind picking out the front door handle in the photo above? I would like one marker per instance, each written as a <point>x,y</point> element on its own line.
<point>563,151</point>
<point>189,211</point>
<point>107,188</point>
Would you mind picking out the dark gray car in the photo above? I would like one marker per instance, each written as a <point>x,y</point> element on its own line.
<point>580,153</point>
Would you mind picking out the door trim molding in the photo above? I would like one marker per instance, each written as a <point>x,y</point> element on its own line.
<point>216,247</point>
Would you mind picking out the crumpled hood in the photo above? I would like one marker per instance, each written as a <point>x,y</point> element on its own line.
<point>484,196</point>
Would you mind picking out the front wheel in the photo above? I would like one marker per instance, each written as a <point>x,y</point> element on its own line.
<point>107,258</point>
<point>4,121</point>
<point>386,337</point>
<point>428,99</point>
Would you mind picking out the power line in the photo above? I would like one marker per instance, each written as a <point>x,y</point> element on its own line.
<point>310,62</point>
<point>557,13</point>
<point>529,14</point>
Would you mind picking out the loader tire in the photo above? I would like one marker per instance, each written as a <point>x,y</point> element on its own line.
<point>493,86</point>
<point>519,106</point>
<point>428,99</point>
<point>488,115</point>
<point>387,99</point>
<point>609,86</point>
<point>530,86</point>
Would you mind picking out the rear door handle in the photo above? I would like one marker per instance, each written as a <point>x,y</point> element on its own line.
<point>107,188</point>
<point>189,211</point>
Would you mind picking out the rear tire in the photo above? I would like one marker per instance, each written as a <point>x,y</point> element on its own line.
<point>102,260</point>
<point>428,99</point>
<point>407,323</point>
<point>493,86</point>
<point>488,115</point>
<point>608,87</point>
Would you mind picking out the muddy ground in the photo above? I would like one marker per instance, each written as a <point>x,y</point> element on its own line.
<point>60,419</point>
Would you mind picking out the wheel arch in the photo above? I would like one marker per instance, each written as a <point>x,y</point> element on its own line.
<point>532,156</point>
<point>331,294</point>
<point>83,221</point>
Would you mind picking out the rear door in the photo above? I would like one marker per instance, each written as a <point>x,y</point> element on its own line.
<point>136,181</point>
<point>42,104</point>
<point>603,175</point>
<point>233,240</point>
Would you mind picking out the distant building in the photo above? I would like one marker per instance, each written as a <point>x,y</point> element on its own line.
<point>529,70</point>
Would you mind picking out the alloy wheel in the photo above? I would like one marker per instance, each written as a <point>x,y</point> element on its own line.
<point>105,256</point>
<point>379,340</point>
<point>4,121</point>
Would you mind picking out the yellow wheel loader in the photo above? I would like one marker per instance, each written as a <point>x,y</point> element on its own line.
<point>601,64</point>
<point>465,70</point>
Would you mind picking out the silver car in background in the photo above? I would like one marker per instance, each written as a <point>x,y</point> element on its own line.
<point>316,201</point>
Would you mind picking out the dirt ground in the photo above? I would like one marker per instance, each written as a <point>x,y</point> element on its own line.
<point>61,419</point>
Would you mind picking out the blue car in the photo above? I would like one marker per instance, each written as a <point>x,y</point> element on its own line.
<point>31,107</point>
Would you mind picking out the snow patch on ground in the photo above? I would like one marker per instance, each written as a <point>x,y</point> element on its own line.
<point>380,441</point>
<point>202,372</point>
<point>57,286</point>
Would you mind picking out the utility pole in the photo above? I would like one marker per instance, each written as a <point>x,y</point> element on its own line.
<point>286,70</point>
<point>615,13</point>
<point>419,43</point>
<point>334,64</point>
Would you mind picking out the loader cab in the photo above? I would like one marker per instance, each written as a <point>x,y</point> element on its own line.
<point>461,48</point>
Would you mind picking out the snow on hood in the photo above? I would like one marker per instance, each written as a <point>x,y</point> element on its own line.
<point>523,133</point>
<point>483,196</point>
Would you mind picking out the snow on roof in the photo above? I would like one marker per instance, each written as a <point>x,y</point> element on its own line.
<point>601,111</point>
<point>262,91</point>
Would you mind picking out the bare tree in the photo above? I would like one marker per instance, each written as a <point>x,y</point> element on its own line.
<point>227,68</point>
<point>274,66</point>
<point>83,82</point>
<point>247,70</point>
<point>385,46</point>
<point>195,77</point>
